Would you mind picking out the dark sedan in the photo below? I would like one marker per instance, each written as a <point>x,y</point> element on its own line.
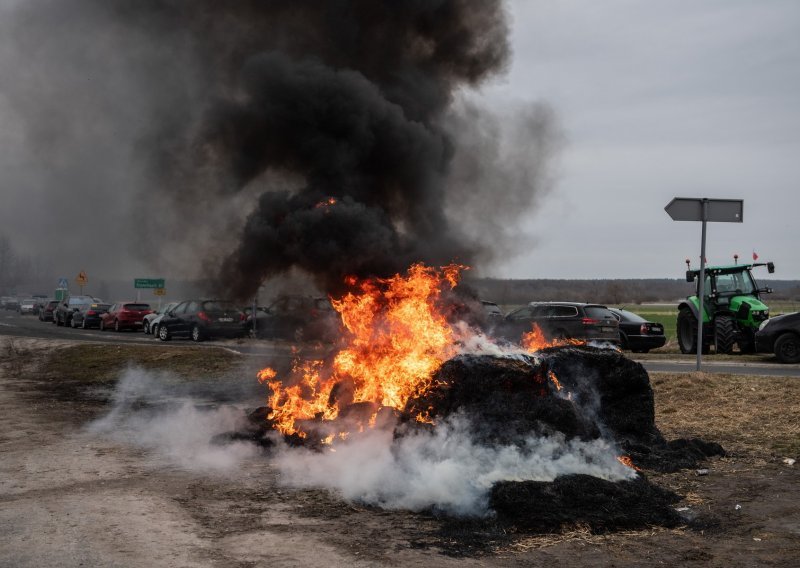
<point>89,315</point>
<point>298,318</point>
<point>638,334</point>
<point>202,319</point>
<point>780,335</point>
<point>562,320</point>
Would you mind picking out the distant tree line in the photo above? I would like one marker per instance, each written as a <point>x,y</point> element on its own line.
<point>613,292</point>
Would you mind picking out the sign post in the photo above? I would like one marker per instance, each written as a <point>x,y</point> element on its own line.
<point>704,210</point>
<point>81,279</point>
<point>62,289</point>
<point>160,292</point>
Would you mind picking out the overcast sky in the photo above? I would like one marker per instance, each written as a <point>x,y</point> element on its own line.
<point>661,99</point>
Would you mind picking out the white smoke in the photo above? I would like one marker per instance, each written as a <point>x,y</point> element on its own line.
<point>147,414</point>
<point>444,469</point>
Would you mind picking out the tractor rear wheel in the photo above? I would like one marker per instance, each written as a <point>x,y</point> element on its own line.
<point>724,334</point>
<point>687,331</point>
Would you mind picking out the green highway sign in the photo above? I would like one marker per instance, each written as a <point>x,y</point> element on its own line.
<point>148,283</point>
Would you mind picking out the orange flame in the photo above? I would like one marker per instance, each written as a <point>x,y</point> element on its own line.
<point>327,203</point>
<point>535,340</point>
<point>627,461</point>
<point>552,376</point>
<point>397,339</point>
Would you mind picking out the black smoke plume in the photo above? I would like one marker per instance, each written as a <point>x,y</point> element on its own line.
<point>352,103</point>
<point>246,138</point>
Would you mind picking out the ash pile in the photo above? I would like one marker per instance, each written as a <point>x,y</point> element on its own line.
<point>569,396</point>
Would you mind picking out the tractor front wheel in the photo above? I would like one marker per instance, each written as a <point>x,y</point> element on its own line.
<point>724,334</point>
<point>687,331</point>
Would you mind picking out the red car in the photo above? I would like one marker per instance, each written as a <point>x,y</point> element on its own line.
<point>125,315</point>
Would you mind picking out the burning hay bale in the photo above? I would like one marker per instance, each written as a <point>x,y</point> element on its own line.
<point>572,393</point>
<point>571,408</point>
<point>578,392</point>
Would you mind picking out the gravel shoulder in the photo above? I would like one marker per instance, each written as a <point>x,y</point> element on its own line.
<point>73,497</point>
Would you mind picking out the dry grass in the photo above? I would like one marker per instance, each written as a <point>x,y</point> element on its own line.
<point>748,415</point>
<point>90,363</point>
<point>581,534</point>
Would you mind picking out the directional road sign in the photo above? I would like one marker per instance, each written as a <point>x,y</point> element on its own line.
<point>63,284</point>
<point>148,283</point>
<point>716,210</point>
<point>704,210</point>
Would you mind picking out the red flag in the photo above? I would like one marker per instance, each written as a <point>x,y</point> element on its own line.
<point>755,256</point>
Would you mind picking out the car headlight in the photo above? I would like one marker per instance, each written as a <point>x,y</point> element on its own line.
<point>763,324</point>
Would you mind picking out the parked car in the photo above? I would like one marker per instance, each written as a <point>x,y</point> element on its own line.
<point>28,306</point>
<point>562,320</point>
<point>69,305</point>
<point>124,315</point>
<point>150,322</point>
<point>11,304</point>
<point>638,334</point>
<point>46,312</point>
<point>202,319</point>
<point>89,315</point>
<point>780,335</point>
<point>298,318</point>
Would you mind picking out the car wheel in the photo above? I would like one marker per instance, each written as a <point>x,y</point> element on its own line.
<point>154,331</point>
<point>102,325</point>
<point>116,325</point>
<point>146,328</point>
<point>163,333</point>
<point>83,324</point>
<point>197,335</point>
<point>72,323</point>
<point>787,348</point>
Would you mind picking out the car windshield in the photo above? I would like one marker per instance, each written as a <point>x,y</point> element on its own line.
<point>167,308</point>
<point>80,300</point>
<point>137,307</point>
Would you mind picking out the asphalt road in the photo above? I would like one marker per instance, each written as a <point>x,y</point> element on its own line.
<point>750,369</point>
<point>12,323</point>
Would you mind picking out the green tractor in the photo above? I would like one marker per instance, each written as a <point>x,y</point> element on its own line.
<point>732,309</point>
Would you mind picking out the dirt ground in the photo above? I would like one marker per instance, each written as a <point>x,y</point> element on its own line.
<point>72,497</point>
